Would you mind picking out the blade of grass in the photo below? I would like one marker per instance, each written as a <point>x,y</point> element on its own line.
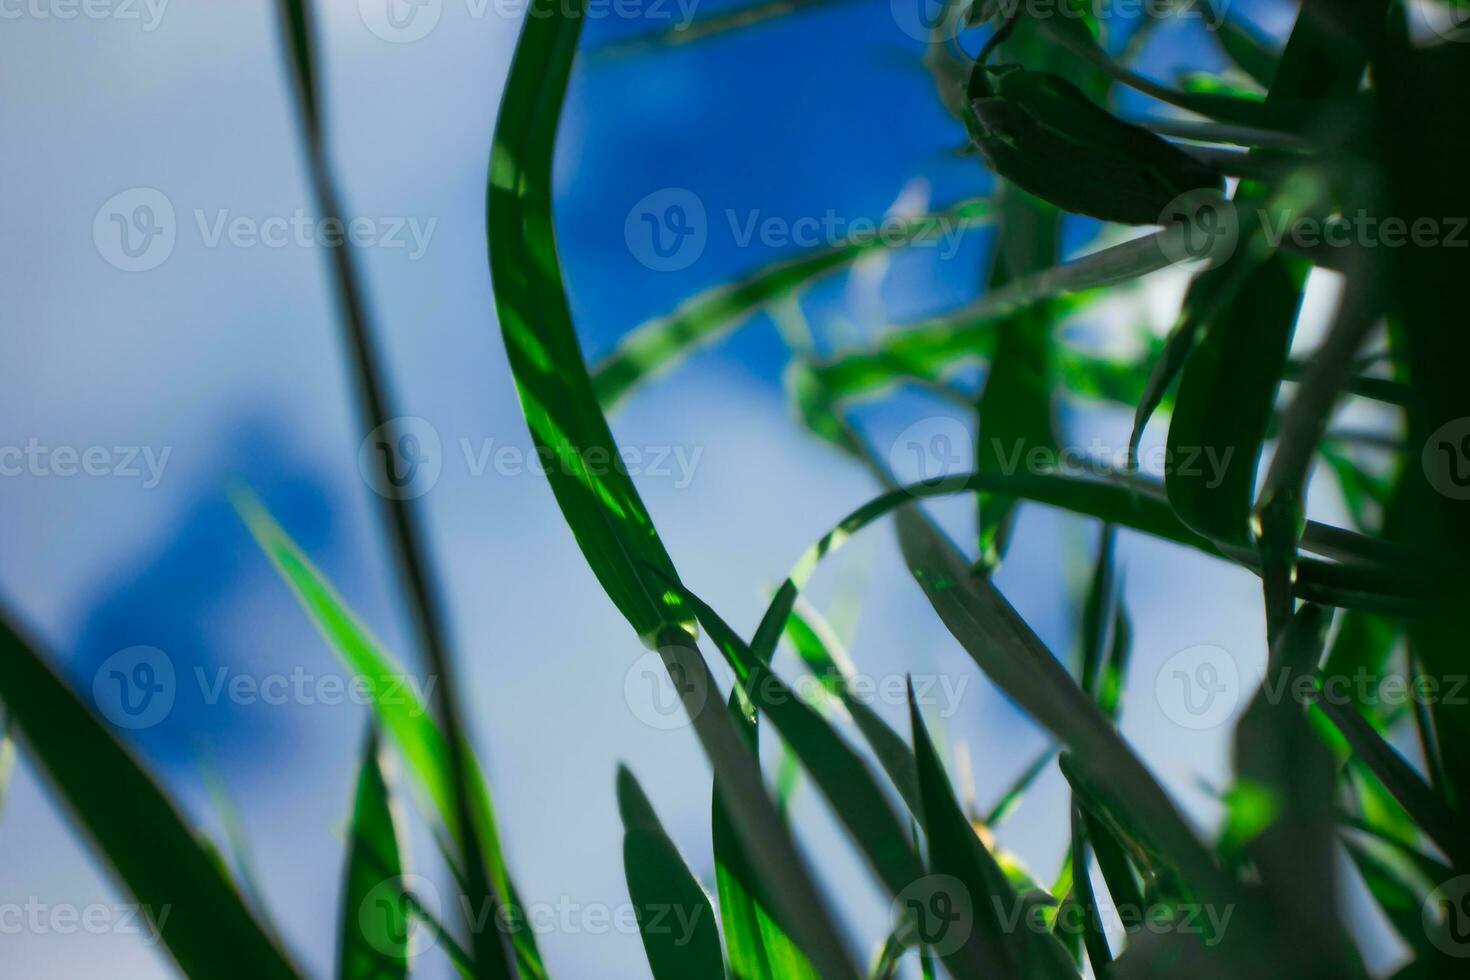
<point>374,858</point>
<point>135,828</point>
<point>412,562</point>
<point>586,473</point>
<point>844,779</point>
<point>995,947</point>
<point>701,319</point>
<point>674,915</point>
<point>402,715</point>
<point>758,948</point>
<point>701,28</point>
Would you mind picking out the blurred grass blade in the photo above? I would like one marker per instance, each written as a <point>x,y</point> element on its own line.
<point>1226,397</point>
<point>401,713</point>
<point>1291,775</point>
<point>700,28</point>
<point>960,861</point>
<point>842,776</point>
<point>757,947</point>
<point>7,753</point>
<point>375,414</point>
<point>182,889</point>
<point>1398,890</point>
<point>373,931</point>
<point>1252,53</point>
<point>1014,793</point>
<point>674,914</point>
<point>819,647</point>
<point>794,902</point>
<point>1406,785</point>
<point>1014,412</point>
<point>702,318</point>
<point>584,468</point>
<point>1015,659</point>
<point>1094,939</point>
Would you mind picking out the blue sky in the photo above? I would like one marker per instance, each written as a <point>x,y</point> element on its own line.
<point>228,357</point>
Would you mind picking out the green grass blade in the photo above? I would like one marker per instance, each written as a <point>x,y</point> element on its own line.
<point>700,28</point>
<point>1011,798</point>
<point>1093,938</point>
<point>1403,782</point>
<point>375,414</point>
<point>996,947</point>
<point>7,753</point>
<point>372,941</point>
<point>182,888</point>
<point>1252,53</point>
<point>587,474</point>
<point>794,902</point>
<point>1013,656</point>
<point>1226,397</point>
<point>400,712</point>
<point>674,914</point>
<point>819,647</point>
<point>735,880</point>
<point>703,318</point>
<point>838,772</point>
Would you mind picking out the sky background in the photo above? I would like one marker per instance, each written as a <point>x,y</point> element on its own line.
<point>228,358</point>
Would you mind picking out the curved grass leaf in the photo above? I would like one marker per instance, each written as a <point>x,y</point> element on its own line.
<point>1226,397</point>
<point>181,887</point>
<point>702,318</point>
<point>674,914</point>
<point>587,474</point>
<point>599,501</point>
<point>372,940</point>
